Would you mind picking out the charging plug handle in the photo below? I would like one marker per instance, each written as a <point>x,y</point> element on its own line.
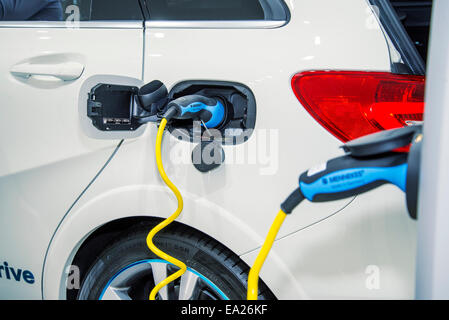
<point>196,107</point>
<point>293,200</point>
<point>414,168</point>
<point>347,176</point>
<point>382,142</point>
<point>171,113</point>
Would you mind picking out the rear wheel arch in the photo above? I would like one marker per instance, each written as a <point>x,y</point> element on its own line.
<point>97,242</point>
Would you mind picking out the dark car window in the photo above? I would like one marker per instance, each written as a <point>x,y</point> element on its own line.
<point>416,16</point>
<point>217,10</point>
<point>94,10</point>
<point>26,10</point>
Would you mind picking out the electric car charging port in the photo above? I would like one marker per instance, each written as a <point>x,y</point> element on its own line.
<point>113,107</point>
<point>240,111</point>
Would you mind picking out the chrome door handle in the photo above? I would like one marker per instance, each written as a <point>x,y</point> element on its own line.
<point>67,71</point>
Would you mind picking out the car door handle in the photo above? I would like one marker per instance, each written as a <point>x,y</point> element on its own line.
<point>67,71</point>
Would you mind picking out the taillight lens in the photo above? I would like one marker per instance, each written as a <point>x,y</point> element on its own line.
<point>353,104</point>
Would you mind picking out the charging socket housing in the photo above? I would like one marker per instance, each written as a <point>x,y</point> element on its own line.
<point>240,114</point>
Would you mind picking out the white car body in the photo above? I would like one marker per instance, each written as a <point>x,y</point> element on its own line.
<point>362,248</point>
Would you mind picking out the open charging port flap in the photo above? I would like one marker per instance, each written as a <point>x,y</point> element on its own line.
<point>110,107</point>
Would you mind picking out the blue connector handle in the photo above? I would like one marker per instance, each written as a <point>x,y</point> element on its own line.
<point>347,176</point>
<point>353,179</point>
<point>196,107</point>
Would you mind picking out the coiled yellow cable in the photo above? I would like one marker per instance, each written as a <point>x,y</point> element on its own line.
<point>253,277</point>
<point>167,221</point>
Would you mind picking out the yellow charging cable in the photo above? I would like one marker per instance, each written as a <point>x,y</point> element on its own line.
<point>253,277</point>
<point>167,221</point>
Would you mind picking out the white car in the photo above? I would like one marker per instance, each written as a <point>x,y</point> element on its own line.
<point>77,198</point>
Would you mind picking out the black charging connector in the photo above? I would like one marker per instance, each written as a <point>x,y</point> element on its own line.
<point>293,200</point>
<point>151,101</point>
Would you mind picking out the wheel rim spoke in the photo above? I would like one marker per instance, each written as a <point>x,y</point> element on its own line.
<point>187,287</point>
<point>160,274</point>
<point>112,293</point>
<point>135,281</point>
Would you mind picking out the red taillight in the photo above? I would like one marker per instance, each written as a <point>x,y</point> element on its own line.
<point>353,104</point>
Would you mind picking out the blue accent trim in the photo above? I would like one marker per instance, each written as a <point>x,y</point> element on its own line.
<point>217,111</point>
<point>166,262</point>
<point>349,179</point>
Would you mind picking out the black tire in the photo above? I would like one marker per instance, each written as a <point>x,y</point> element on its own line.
<point>198,251</point>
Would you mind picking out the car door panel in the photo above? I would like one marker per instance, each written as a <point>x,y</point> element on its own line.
<point>46,159</point>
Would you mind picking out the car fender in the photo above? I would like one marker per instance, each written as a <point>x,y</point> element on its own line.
<point>132,201</point>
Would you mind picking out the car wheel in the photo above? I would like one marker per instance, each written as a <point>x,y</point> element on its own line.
<point>128,270</point>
